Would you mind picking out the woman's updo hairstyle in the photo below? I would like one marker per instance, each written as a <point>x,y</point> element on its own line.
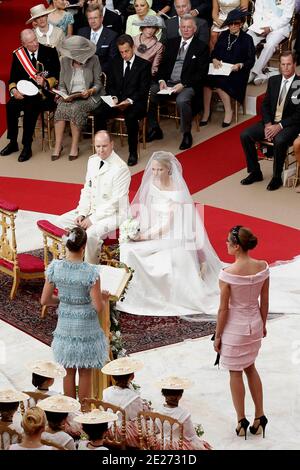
<point>243,237</point>
<point>76,239</point>
<point>34,420</point>
<point>164,158</point>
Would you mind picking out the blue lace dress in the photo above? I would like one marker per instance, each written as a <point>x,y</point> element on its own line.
<point>78,340</point>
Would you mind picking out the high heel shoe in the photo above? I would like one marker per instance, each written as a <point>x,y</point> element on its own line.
<point>204,123</point>
<point>261,426</point>
<point>74,157</point>
<point>226,124</point>
<point>242,429</point>
<point>56,156</point>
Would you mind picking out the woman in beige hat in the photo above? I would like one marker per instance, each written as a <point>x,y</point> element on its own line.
<point>47,34</point>
<point>79,75</point>
<point>33,424</point>
<point>123,394</point>
<point>146,44</point>
<point>61,18</point>
<point>172,389</point>
<point>95,426</point>
<point>57,409</point>
<point>9,403</point>
<point>43,375</point>
<point>142,10</point>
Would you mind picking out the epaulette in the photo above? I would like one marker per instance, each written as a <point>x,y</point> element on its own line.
<point>17,49</point>
<point>93,156</point>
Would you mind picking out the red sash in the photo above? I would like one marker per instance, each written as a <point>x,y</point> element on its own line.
<point>26,63</point>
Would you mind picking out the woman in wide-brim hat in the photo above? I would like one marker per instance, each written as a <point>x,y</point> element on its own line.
<point>46,33</point>
<point>235,47</point>
<point>95,426</point>
<point>58,410</point>
<point>44,374</point>
<point>172,389</point>
<point>123,394</point>
<point>142,10</point>
<point>81,74</point>
<point>146,44</point>
<point>61,18</point>
<point>220,11</point>
<point>9,403</point>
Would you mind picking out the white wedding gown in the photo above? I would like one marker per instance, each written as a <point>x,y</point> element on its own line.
<point>166,279</point>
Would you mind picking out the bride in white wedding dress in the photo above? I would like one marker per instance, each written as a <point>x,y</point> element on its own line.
<point>175,267</point>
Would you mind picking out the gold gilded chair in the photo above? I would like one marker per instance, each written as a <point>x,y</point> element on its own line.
<point>52,238</point>
<point>157,431</point>
<point>289,153</point>
<point>18,266</point>
<point>172,113</point>
<point>32,401</point>
<point>116,437</point>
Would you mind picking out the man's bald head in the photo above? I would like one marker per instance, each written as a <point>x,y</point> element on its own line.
<point>29,40</point>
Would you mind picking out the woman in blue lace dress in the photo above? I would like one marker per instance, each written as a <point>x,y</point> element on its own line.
<point>79,342</point>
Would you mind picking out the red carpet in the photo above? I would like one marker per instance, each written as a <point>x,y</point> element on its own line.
<point>13,14</point>
<point>270,235</point>
<point>210,161</point>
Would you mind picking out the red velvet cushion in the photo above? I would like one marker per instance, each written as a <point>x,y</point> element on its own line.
<point>8,206</point>
<point>112,238</point>
<point>51,228</point>
<point>27,264</point>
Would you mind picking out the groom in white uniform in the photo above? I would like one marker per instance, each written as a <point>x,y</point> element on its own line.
<point>103,203</point>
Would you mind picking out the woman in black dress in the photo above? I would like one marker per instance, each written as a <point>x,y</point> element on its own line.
<point>235,47</point>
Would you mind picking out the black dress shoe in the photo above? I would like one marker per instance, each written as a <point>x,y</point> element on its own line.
<point>10,148</point>
<point>155,134</point>
<point>274,184</point>
<point>132,159</point>
<point>186,141</point>
<point>25,154</point>
<point>253,178</point>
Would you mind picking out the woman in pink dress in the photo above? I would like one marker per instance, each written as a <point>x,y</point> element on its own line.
<point>241,324</point>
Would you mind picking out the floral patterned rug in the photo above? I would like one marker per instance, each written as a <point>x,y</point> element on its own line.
<point>139,333</point>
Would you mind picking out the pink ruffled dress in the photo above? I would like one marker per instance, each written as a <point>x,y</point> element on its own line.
<point>241,337</point>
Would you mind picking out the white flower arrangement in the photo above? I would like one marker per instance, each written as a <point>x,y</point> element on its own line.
<point>128,230</point>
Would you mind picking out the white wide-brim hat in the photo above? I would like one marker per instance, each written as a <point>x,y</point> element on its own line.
<point>96,417</point>
<point>59,404</point>
<point>77,48</point>
<point>122,366</point>
<point>38,11</point>
<point>11,396</point>
<point>49,369</point>
<point>174,383</point>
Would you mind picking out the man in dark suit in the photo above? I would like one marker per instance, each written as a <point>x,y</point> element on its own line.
<point>128,82</point>
<point>104,38</point>
<point>111,19</point>
<point>183,68</point>
<point>280,122</point>
<point>28,61</point>
<point>200,8</point>
<point>183,7</point>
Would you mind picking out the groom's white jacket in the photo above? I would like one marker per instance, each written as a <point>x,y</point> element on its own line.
<point>105,192</point>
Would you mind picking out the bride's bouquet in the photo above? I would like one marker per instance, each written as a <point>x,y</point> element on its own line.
<point>129,230</point>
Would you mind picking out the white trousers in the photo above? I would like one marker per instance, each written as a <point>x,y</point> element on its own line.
<point>95,233</point>
<point>272,41</point>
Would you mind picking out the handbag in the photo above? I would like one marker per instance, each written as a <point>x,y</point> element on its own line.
<point>217,361</point>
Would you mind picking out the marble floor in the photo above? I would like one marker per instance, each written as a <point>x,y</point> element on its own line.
<point>209,398</point>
